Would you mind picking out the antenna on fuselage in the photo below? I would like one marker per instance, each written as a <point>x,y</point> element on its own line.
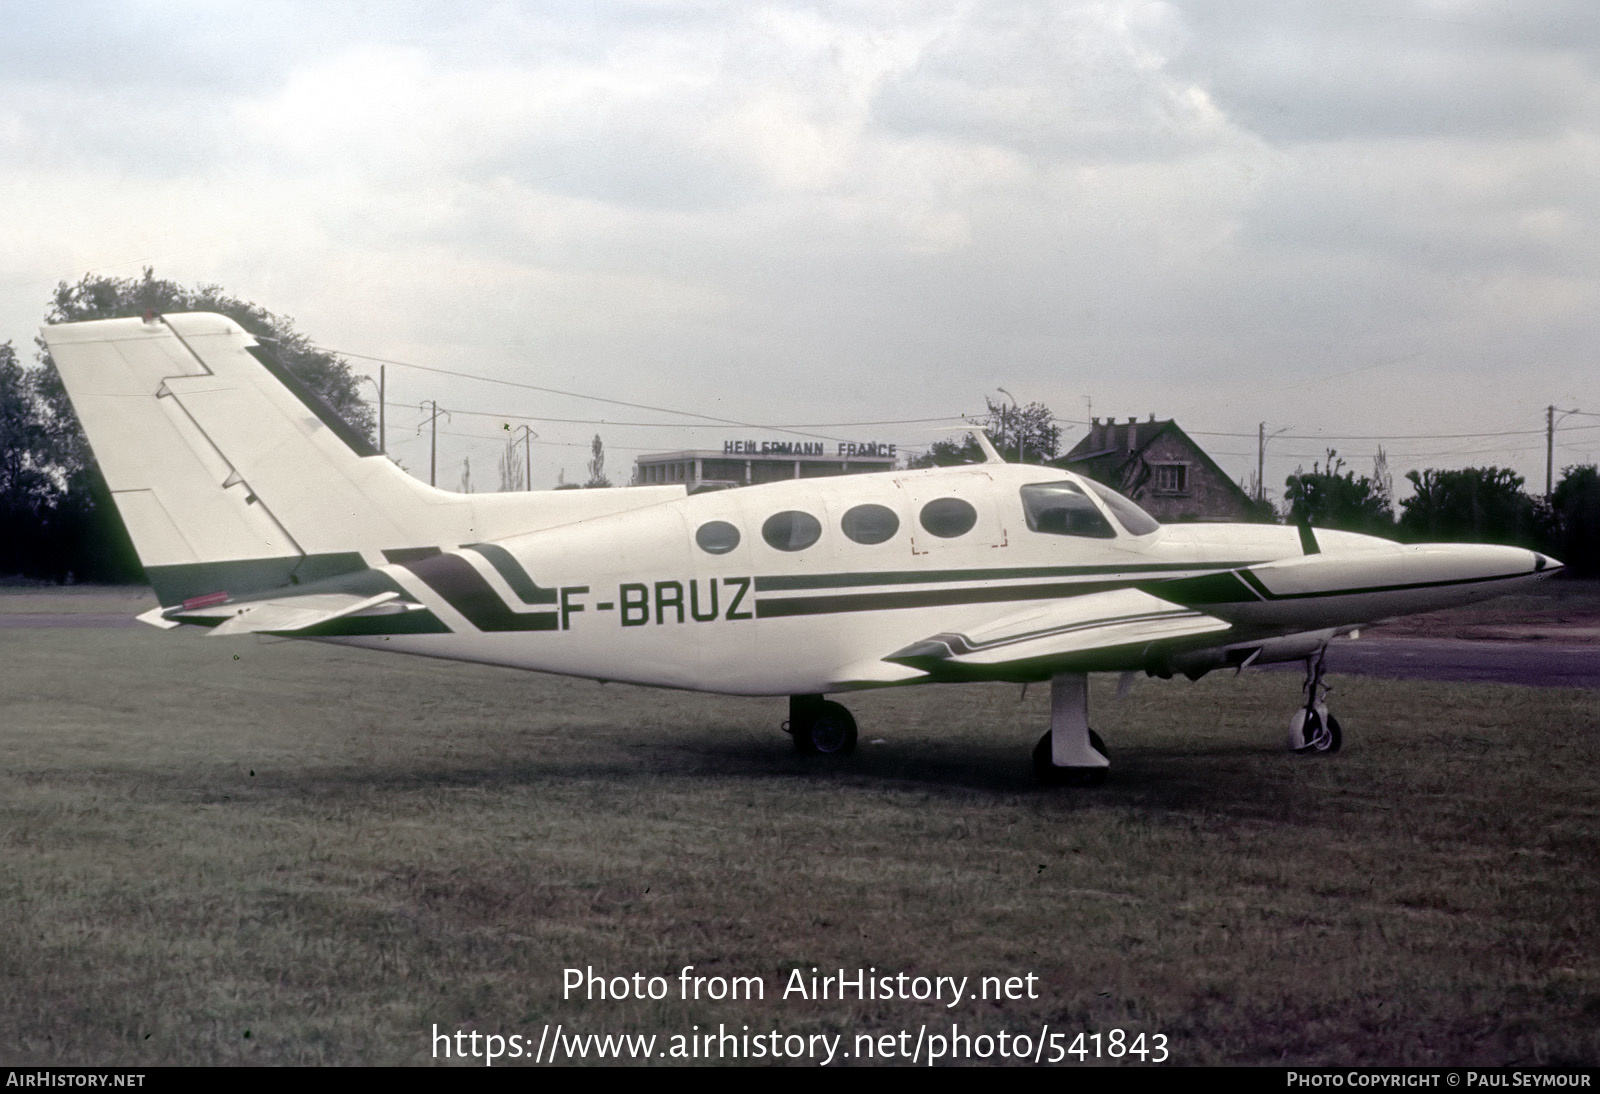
<point>989,454</point>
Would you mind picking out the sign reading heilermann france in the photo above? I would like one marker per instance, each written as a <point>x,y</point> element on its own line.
<point>807,448</point>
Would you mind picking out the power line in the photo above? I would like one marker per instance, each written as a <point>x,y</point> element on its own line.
<point>680,425</point>
<point>708,421</point>
<point>571,394</point>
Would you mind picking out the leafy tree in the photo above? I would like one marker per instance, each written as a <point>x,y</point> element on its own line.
<point>327,374</point>
<point>67,525</point>
<point>949,453</point>
<point>1471,504</point>
<point>1034,425</point>
<point>597,464</point>
<point>27,491</point>
<point>511,467</point>
<point>1031,428</point>
<point>1575,506</point>
<point>1335,498</point>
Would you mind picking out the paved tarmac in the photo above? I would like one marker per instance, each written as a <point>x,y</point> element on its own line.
<point>1536,664</point>
<point>40,620</point>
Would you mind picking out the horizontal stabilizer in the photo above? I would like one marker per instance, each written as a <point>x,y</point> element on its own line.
<point>1066,635</point>
<point>285,615</point>
<point>156,617</point>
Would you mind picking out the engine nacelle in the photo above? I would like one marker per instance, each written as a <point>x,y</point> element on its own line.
<point>1267,651</point>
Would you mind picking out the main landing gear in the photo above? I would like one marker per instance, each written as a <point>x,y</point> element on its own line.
<point>1312,728</point>
<point>1070,754</point>
<point>820,726</point>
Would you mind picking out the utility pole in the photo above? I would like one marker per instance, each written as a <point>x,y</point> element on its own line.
<point>527,456</point>
<point>1549,449</point>
<point>1261,462</point>
<point>433,448</point>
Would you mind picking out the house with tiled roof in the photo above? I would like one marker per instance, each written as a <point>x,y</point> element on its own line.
<point>1159,466</point>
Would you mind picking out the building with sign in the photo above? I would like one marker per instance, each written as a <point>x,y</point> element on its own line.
<point>743,463</point>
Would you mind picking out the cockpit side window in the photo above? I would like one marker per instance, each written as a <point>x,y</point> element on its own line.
<point>1133,518</point>
<point>1062,509</point>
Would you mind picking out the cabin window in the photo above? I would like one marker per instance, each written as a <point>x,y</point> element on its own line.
<point>1061,509</point>
<point>1133,518</point>
<point>948,517</point>
<point>791,530</point>
<point>870,524</point>
<point>717,537</point>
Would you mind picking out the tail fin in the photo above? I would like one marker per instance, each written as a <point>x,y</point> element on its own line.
<point>232,478</point>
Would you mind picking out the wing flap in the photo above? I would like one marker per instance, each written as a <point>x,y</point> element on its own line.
<point>1060,636</point>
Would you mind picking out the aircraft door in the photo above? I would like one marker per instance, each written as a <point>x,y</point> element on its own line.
<point>948,514</point>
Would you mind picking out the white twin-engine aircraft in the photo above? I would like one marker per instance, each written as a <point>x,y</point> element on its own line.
<point>256,509</point>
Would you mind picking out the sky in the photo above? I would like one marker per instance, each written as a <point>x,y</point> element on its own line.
<point>1362,223</point>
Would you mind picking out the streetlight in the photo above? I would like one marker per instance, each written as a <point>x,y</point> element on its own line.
<point>1261,459</point>
<point>1021,433</point>
<point>379,383</point>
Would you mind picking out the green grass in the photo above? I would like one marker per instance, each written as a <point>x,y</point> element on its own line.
<point>335,850</point>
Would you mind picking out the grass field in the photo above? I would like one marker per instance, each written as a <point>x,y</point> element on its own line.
<point>218,850</point>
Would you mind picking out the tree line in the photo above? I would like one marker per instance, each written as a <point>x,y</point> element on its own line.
<point>57,520</point>
<point>58,523</point>
<point>1461,505</point>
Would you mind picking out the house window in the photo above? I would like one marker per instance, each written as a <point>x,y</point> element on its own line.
<point>1171,478</point>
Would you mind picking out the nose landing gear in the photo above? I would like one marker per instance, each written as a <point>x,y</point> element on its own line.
<point>1312,728</point>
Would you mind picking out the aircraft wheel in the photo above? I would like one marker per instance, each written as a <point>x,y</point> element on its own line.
<point>831,731</point>
<point>1046,771</point>
<point>1321,735</point>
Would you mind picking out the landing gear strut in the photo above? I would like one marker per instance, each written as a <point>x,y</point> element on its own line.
<point>820,726</point>
<point>1070,754</point>
<point>1312,728</point>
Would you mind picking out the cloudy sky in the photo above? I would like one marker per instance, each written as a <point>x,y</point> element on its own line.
<point>1348,220</point>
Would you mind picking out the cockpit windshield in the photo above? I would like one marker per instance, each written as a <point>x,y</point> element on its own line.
<point>1133,518</point>
<point>1062,509</point>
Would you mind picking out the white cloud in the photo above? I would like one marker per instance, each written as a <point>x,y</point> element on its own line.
<point>845,210</point>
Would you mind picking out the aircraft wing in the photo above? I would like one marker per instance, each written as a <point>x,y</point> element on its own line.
<point>281,615</point>
<point>1095,632</point>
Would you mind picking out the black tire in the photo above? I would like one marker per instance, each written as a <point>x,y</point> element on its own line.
<point>1046,771</point>
<point>830,731</point>
<point>1318,740</point>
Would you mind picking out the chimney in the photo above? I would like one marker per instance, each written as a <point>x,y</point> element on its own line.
<point>1133,434</point>
<point>1096,435</point>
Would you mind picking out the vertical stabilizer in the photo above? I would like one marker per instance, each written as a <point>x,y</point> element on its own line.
<point>231,477</point>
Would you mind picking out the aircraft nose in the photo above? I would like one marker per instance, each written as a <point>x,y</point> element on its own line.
<point>1545,565</point>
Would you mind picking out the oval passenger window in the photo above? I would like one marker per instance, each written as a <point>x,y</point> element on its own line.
<point>870,523</point>
<point>791,530</point>
<point>948,517</point>
<point>717,537</point>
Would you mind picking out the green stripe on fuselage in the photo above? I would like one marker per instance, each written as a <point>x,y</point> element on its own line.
<point>785,582</point>
<point>506,565</point>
